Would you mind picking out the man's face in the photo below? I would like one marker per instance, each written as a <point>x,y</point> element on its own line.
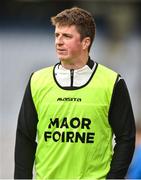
<point>68,43</point>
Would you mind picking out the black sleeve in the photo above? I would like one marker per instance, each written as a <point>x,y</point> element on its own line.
<point>25,145</point>
<point>122,122</point>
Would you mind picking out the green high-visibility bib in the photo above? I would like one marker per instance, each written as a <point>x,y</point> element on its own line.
<point>73,131</point>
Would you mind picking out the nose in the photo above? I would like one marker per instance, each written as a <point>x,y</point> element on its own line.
<point>59,40</point>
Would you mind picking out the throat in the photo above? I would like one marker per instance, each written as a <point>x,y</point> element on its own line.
<point>74,64</point>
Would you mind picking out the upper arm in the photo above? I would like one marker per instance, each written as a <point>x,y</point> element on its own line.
<point>27,120</point>
<point>121,117</point>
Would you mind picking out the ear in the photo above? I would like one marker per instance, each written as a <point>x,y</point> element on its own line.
<point>86,42</point>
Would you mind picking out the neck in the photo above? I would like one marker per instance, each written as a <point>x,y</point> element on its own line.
<point>74,64</point>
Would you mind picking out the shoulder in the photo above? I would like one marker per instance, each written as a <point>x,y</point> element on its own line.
<point>40,77</point>
<point>42,71</point>
<point>40,74</point>
<point>106,69</point>
<point>106,74</point>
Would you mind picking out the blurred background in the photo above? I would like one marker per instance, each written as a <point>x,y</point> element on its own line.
<point>27,44</point>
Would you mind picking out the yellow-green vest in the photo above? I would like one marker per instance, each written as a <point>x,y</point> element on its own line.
<point>73,131</point>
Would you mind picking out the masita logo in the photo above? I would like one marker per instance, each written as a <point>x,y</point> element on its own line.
<point>69,99</point>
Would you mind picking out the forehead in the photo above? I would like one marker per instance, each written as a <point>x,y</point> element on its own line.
<point>66,29</point>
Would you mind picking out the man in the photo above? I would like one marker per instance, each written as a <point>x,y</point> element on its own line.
<point>74,108</point>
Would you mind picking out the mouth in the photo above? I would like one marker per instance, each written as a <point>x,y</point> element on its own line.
<point>61,51</point>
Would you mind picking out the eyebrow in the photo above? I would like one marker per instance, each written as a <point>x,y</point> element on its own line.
<point>64,34</point>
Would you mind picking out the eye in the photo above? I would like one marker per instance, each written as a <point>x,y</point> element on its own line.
<point>56,34</point>
<point>69,36</point>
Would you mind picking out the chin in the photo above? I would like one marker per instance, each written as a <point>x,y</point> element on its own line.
<point>62,58</point>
